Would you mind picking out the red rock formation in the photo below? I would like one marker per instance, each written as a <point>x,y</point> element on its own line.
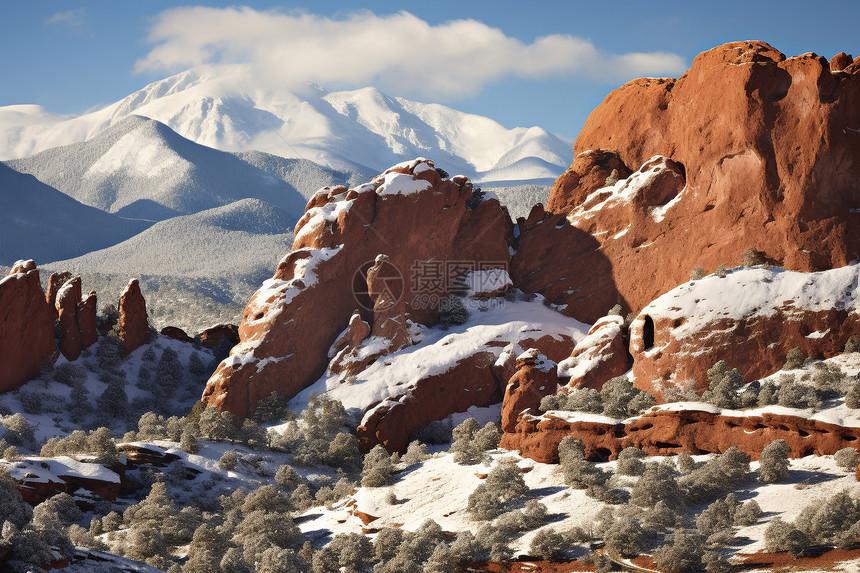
<point>589,171</point>
<point>176,333</point>
<point>55,282</point>
<point>840,61</point>
<point>23,266</point>
<point>410,214</point>
<point>470,382</point>
<point>88,320</point>
<point>751,318</point>
<point>598,357</point>
<point>212,336</point>
<point>26,328</point>
<point>68,298</point>
<point>536,377</point>
<point>762,145</point>
<point>667,432</point>
<point>133,322</point>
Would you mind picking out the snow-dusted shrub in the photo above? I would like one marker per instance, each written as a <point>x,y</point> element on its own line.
<point>794,359</point>
<point>494,544</point>
<point>829,522</point>
<point>476,199</point>
<point>464,445</point>
<point>624,537</point>
<point>352,550</point>
<point>252,435</point>
<point>570,448</point>
<point>583,400</point>
<point>377,468</point>
<point>441,561</point>
<point>697,274</point>
<point>451,312</point>
<point>846,458</point>
<point>773,464</point>
<point>234,562</point>
<point>287,478</point>
<point>552,402</point>
<point>620,399</point>
<point>434,433</point>
<point>657,483</point>
<point>503,488</point>
<point>27,550</point>
<point>168,374</point>
<point>98,443</point>
<point>196,367</point>
<point>718,516</point>
<point>278,560</point>
<point>828,379</point>
<point>229,460</point>
<point>660,517</point>
<point>783,536</point>
<point>61,507</point>
<point>685,461</point>
<point>721,271</point>
<point>217,425</point>
<point>343,452</point>
<point>682,552</point>
<point>18,431</point>
<point>81,537</point>
<point>13,508</point>
<point>548,544</point>
<point>630,462</point>
<point>767,394</point>
<point>852,395</point>
<point>261,530</point>
<point>716,562</point>
<point>724,385</point>
<point>532,516</point>
<point>112,404</point>
<point>579,473</point>
<point>719,475</point>
<point>387,543</point>
<point>188,443</point>
<point>415,453</point>
<point>301,498</point>
<point>109,352</point>
<point>11,454</point>
<point>421,543</point>
<point>748,513</point>
<point>488,437</point>
<point>793,394</point>
<point>752,258</point>
<point>272,408</point>
<point>79,403</point>
<point>852,344</point>
<point>69,374</point>
<point>266,498</point>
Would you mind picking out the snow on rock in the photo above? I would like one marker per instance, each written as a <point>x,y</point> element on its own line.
<point>296,316</point>
<point>598,357</point>
<point>486,283</point>
<point>751,318</point>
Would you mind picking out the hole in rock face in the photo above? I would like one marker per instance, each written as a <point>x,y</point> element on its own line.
<point>648,333</point>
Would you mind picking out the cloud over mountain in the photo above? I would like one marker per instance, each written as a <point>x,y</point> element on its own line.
<point>398,52</point>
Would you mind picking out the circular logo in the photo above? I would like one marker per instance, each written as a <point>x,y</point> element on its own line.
<point>382,290</point>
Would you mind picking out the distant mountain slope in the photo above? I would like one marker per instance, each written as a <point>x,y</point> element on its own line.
<point>244,239</point>
<point>141,168</point>
<point>41,223</point>
<point>356,130</point>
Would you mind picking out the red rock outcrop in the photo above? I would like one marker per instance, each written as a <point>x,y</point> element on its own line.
<point>133,321</point>
<point>176,333</point>
<point>68,298</point>
<point>409,214</point>
<point>55,282</point>
<point>590,171</point>
<point>751,319</point>
<point>667,432</point>
<point>536,377</point>
<point>212,336</point>
<point>765,146</point>
<point>598,357</point>
<point>23,266</point>
<point>26,327</point>
<point>88,320</point>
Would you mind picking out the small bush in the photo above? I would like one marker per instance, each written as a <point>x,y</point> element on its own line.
<point>794,359</point>
<point>724,386</point>
<point>852,344</point>
<point>721,271</point>
<point>378,469</point>
<point>846,458</point>
<point>658,483</point>
<point>752,258</point>
<point>415,453</point>
<point>748,513</point>
<point>548,544</point>
<point>697,274</point>
<point>773,464</point>
<point>782,536</point>
<point>630,462</point>
<point>452,312</point>
<point>229,460</point>
<point>685,463</point>
<point>682,552</point>
<point>793,394</point>
<point>503,487</point>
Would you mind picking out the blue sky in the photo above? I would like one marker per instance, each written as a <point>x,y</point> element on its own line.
<point>71,56</point>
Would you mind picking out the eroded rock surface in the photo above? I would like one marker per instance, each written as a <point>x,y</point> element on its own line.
<point>133,322</point>
<point>748,149</point>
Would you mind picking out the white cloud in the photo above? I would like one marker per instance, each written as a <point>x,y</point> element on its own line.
<point>74,18</point>
<point>398,52</point>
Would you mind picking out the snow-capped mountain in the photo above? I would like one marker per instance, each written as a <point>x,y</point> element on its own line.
<point>141,168</point>
<point>363,129</point>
